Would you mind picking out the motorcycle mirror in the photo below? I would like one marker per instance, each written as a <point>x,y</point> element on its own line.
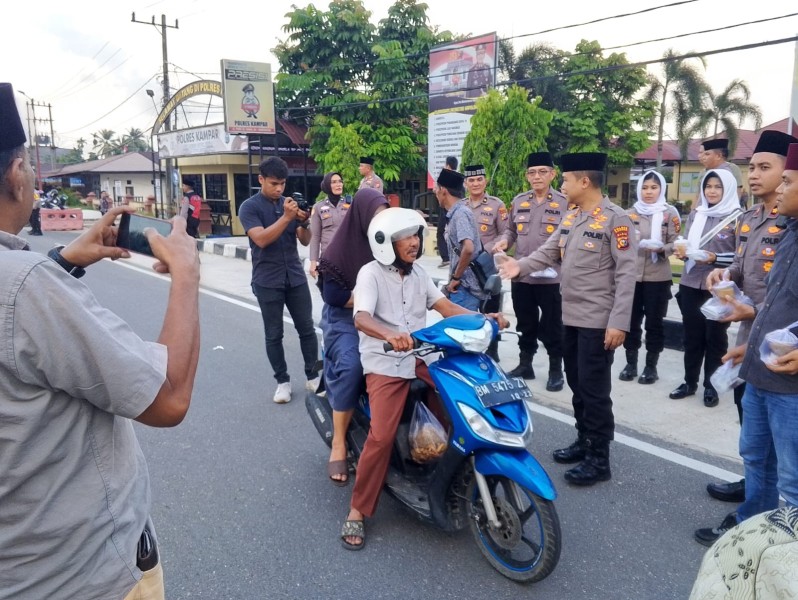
<point>493,285</point>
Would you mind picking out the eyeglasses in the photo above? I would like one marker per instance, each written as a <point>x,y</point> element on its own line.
<point>541,172</point>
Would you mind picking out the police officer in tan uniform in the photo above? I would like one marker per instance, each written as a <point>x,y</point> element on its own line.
<point>326,216</point>
<point>534,216</point>
<point>490,215</point>
<point>597,251</point>
<point>370,178</point>
<point>756,242</point>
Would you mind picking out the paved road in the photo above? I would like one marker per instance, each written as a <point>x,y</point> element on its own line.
<point>244,510</point>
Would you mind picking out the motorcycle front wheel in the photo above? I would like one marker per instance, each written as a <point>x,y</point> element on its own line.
<point>526,545</point>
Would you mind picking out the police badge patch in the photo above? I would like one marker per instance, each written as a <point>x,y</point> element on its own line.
<point>621,234</point>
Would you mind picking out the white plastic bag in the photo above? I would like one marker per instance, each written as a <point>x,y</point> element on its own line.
<point>726,377</point>
<point>778,343</point>
<point>697,255</point>
<point>649,244</point>
<point>716,309</point>
<point>547,273</point>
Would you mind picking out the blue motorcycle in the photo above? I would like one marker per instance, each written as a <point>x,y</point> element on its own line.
<point>486,478</point>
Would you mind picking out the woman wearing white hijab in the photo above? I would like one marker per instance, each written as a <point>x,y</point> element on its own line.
<point>710,244</point>
<point>658,225</point>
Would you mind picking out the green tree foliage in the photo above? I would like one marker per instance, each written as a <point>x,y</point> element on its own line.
<point>677,95</point>
<point>506,127</point>
<point>727,111</point>
<point>102,142</point>
<point>339,73</point>
<point>344,143</point>
<point>603,114</point>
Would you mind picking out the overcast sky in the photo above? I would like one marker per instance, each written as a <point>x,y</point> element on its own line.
<point>92,64</point>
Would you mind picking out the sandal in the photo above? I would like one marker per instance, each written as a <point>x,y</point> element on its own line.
<point>353,529</point>
<point>338,467</point>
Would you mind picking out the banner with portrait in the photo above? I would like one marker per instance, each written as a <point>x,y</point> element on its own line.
<point>460,73</point>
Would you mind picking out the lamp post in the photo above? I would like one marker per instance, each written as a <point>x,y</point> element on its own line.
<point>30,105</point>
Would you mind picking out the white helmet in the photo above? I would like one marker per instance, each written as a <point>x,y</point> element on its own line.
<point>391,225</point>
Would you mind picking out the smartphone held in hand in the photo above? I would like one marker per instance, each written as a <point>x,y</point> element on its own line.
<point>131,232</point>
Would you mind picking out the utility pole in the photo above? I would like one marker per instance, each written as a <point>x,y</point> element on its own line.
<point>168,123</point>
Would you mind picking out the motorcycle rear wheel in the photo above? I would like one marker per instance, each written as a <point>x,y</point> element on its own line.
<point>526,547</point>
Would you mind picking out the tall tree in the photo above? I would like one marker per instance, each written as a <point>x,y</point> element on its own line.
<point>603,113</point>
<point>505,128</point>
<point>338,70</point>
<point>134,141</point>
<point>678,95</point>
<point>103,143</point>
<point>728,110</point>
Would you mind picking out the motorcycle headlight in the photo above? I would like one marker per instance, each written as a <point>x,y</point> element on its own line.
<point>472,340</point>
<point>488,432</point>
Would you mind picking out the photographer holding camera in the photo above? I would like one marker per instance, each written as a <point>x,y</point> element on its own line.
<point>273,223</point>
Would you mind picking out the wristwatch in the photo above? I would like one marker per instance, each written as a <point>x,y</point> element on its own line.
<point>74,270</point>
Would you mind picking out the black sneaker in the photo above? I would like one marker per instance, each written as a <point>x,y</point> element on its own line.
<point>710,535</point>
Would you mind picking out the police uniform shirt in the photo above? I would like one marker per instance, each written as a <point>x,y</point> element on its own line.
<point>721,243</point>
<point>325,218</point>
<point>779,310</point>
<point>531,223</point>
<point>479,78</point>
<point>756,240</point>
<point>491,219</point>
<point>647,269</point>
<point>598,254</point>
<point>371,181</point>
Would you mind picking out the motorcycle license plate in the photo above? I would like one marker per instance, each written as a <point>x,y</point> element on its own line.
<point>502,391</point>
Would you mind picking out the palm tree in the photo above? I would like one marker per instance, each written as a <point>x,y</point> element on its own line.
<point>679,95</point>
<point>727,111</point>
<point>134,140</point>
<point>103,143</point>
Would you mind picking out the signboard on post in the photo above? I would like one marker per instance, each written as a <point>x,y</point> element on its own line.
<point>248,97</point>
<point>460,73</point>
<point>210,139</point>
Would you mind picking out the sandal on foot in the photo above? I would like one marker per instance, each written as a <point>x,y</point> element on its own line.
<point>353,529</point>
<point>338,467</point>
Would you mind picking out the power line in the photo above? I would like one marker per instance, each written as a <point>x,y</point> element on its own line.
<point>499,40</point>
<point>71,79</point>
<point>597,70</point>
<point>114,108</point>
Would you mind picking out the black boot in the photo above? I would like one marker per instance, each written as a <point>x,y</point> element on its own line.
<point>650,375</point>
<point>630,370</point>
<point>595,467</point>
<point>556,380</point>
<point>573,453</point>
<point>524,368</point>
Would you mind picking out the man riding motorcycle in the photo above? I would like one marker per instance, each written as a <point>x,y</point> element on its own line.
<point>391,299</point>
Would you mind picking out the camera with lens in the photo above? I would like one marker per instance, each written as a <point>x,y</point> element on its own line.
<point>303,204</point>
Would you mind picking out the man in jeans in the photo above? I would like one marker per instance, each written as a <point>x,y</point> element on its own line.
<point>274,223</point>
<point>769,434</point>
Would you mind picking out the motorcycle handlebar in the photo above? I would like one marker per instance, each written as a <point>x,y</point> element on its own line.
<point>389,348</point>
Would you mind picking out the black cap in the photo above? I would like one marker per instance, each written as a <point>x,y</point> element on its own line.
<point>366,160</point>
<point>717,144</point>
<point>12,134</point>
<point>473,170</point>
<point>776,142</point>
<point>450,179</point>
<point>248,88</point>
<point>583,161</point>
<point>539,159</point>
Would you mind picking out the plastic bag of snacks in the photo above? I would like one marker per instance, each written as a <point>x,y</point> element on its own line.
<point>778,343</point>
<point>725,378</point>
<point>427,436</point>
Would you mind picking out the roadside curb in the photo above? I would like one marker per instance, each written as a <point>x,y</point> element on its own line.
<point>227,250</point>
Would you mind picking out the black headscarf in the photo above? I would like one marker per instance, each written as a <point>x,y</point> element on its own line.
<point>349,249</point>
<point>326,187</point>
